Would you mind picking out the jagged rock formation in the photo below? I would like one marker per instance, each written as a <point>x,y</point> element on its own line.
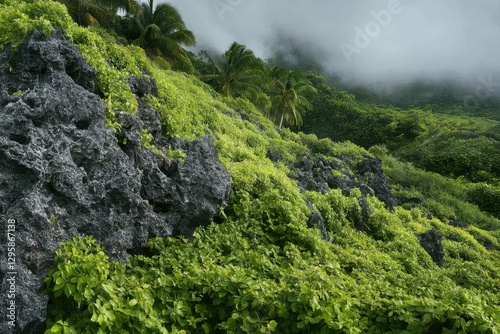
<point>62,172</point>
<point>319,174</point>
<point>432,242</point>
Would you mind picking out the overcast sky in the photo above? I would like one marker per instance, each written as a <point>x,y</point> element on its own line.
<point>369,39</point>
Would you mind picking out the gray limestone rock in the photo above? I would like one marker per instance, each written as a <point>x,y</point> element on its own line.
<point>63,173</point>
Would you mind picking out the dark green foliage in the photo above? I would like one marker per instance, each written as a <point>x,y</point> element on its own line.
<point>337,115</point>
<point>445,198</point>
<point>450,145</point>
<point>237,74</point>
<point>452,151</point>
<point>99,12</point>
<point>486,197</point>
<point>160,29</point>
<point>288,90</point>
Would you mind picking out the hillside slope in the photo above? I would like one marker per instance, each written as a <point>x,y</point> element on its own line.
<point>308,235</point>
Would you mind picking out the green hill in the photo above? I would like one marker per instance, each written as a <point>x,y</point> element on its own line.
<point>426,265</point>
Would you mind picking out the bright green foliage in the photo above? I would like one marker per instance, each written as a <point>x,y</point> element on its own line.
<point>111,78</point>
<point>146,139</point>
<point>258,277</point>
<point>19,18</point>
<point>262,270</point>
<point>177,154</point>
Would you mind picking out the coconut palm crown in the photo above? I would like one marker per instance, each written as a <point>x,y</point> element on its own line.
<point>288,98</point>
<point>163,30</point>
<point>237,74</point>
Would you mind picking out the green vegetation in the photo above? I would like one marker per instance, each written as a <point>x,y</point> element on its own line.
<point>276,91</point>
<point>450,145</point>
<point>261,269</point>
<point>98,12</point>
<point>289,102</point>
<point>237,74</point>
<point>161,30</point>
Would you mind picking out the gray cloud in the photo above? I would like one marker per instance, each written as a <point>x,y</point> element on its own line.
<point>384,39</point>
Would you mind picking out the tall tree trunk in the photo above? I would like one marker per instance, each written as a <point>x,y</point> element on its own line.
<point>281,122</point>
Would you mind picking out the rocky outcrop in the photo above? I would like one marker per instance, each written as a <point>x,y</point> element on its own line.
<point>142,86</point>
<point>63,173</point>
<point>370,175</point>
<point>432,242</point>
<point>316,221</point>
<point>319,174</point>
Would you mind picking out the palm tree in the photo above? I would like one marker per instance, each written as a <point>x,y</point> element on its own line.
<point>98,12</point>
<point>162,29</point>
<point>288,100</point>
<point>237,74</point>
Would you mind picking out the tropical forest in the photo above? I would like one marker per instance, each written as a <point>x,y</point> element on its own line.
<point>150,185</point>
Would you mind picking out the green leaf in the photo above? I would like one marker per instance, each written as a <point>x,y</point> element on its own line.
<point>427,318</point>
<point>56,328</point>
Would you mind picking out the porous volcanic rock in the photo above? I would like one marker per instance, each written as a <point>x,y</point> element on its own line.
<point>320,174</point>
<point>432,242</point>
<point>63,173</point>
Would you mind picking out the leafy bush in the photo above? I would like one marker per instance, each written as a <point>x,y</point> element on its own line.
<point>20,18</point>
<point>487,197</point>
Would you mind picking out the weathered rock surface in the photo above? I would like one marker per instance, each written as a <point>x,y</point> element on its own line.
<point>63,173</point>
<point>319,174</point>
<point>316,221</point>
<point>432,242</point>
<point>141,86</point>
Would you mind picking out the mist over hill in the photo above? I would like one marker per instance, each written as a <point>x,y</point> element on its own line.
<point>377,43</point>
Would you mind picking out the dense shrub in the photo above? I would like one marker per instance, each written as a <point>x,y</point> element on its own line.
<point>486,197</point>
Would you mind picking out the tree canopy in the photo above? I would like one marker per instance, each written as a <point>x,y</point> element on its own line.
<point>288,95</point>
<point>161,29</point>
<point>237,74</point>
<point>99,12</point>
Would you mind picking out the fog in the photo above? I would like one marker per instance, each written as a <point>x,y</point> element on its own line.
<point>369,41</point>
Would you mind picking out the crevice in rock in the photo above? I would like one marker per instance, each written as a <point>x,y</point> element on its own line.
<point>168,167</point>
<point>432,242</point>
<point>161,208</point>
<point>83,124</point>
<point>20,139</point>
<point>32,101</point>
<point>38,121</point>
<point>60,199</point>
